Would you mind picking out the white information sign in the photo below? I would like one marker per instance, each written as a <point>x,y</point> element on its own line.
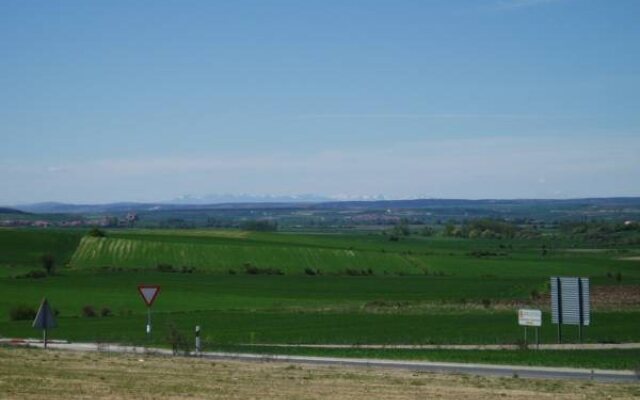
<point>529,317</point>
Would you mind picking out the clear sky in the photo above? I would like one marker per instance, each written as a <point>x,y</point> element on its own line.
<point>132,100</point>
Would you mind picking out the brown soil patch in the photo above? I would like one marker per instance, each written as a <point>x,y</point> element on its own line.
<point>605,297</point>
<point>615,295</point>
<point>36,374</point>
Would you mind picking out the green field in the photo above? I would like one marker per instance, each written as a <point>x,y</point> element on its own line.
<point>418,290</point>
<point>220,251</point>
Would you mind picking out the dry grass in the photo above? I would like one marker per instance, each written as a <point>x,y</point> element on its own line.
<point>35,374</point>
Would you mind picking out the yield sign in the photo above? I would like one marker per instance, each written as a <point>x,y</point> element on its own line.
<point>149,293</point>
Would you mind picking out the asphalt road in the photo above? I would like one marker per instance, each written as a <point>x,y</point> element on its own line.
<point>423,366</point>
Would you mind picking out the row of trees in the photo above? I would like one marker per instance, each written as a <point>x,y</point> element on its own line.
<point>479,228</point>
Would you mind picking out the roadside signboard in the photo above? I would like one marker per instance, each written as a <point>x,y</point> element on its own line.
<point>149,293</point>
<point>45,319</point>
<point>570,303</point>
<point>529,317</point>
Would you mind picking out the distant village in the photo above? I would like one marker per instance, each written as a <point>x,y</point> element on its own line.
<point>106,221</point>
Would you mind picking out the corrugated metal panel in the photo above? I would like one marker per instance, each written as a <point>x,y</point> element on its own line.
<point>569,290</point>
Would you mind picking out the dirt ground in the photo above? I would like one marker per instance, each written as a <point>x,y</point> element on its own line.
<point>37,374</point>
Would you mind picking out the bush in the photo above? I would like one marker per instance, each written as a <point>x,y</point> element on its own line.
<point>106,312</point>
<point>95,232</point>
<point>89,311</point>
<point>253,270</point>
<point>310,271</point>
<point>32,275</point>
<point>486,303</point>
<point>22,313</point>
<point>177,340</point>
<point>165,268</point>
<point>357,272</point>
<point>48,263</point>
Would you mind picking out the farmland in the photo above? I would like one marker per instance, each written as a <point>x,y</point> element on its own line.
<point>250,287</point>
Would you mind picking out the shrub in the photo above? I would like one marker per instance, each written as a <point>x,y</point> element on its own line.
<point>95,232</point>
<point>250,269</point>
<point>253,270</point>
<point>177,340</point>
<point>106,312</point>
<point>618,277</point>
<point>232,271</point>
<point>486,303</point>
<point>165,268</point>
<point>89,311</point>
<point>48,263</point>
<point>33,275</point>
<point>353,272</point>
<point>22,313</point>
<point>310,271</point>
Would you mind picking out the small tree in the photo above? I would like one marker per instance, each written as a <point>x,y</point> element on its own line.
<point>95,232</point>
<point>48,263</point>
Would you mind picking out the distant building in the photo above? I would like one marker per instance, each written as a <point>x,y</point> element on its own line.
<point>131,218</point>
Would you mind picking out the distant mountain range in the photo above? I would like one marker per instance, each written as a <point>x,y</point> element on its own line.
<point>6,210</point>
<point>310,202</point>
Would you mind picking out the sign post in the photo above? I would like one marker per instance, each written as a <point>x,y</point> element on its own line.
<point>44,319</point>
<point>528,318</point>
<point>149,294</point>
<point>198,342</point>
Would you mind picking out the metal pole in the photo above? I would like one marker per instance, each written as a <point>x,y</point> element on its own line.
<point>45,338</point>
<point>580,310</point>
<point>198,343</point>
<point>537,338</point>
<point>525,335</point>
<point>148,322</point>
<point>559,309</point>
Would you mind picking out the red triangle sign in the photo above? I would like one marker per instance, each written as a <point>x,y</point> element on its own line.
<point>149,293</point>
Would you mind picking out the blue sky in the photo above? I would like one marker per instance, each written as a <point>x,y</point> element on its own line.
<point>151,100</point>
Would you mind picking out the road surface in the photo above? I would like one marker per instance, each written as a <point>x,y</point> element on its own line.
<point>423,366</point>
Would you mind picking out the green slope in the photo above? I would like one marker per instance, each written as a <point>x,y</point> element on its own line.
<point>224,255</point>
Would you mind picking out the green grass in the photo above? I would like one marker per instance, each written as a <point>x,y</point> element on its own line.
<point>228,327</point>
<point>24,247</point>
<point>199,291</point>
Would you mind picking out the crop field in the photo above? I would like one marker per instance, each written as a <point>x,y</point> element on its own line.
<point>20,249</point>
<point>274,288</point>
<point>220,251</point>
